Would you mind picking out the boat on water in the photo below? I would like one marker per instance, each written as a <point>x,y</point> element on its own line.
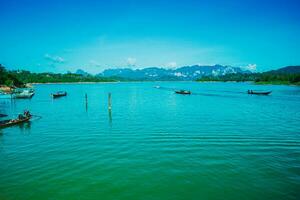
<point>22,118</point>
<point>59,94</point>
<point>259,92</point>
<point>183,92</point>
<point>23,93</point>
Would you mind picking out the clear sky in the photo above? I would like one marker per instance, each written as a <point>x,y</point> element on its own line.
<point>60,35</point>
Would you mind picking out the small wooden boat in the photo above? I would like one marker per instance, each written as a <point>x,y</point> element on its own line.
<point>12,122</point>
<point>259,92</point>
<point>183,92</point>
<point>59,94</point>
<point>22,118</point>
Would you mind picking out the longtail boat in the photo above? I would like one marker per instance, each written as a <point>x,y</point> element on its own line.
<point>59,94</point>
<point>12,122</point>
<point>259,92</point>
<point>183,92</point>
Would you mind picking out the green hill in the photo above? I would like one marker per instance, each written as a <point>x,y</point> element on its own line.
<point>285,75</point>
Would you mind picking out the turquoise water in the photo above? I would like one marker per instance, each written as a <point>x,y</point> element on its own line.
<point>219,143</point>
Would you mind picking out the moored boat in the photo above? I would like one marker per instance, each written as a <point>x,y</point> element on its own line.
<point>59,94</point>
<point>183,92</point>
<point>23,94</point>
<point>259,92</point>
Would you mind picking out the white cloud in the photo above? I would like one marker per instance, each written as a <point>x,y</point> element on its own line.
<point>54,59</point>
<point>131,61</point>
<point>251,67</point>
<point>172,64</point>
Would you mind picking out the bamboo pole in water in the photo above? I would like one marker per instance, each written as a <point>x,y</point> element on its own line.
<point>109,101</point>
<point>86,98</point>
<point>86,101</point>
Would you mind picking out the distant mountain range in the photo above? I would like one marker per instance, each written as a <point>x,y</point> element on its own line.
<point>187,73</point>
<point>183,73</point>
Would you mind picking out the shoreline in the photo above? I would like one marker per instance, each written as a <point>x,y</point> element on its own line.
<point>109,82</point>
<point>253,82</point>
<point>105,82</point>
<point>57,83</point>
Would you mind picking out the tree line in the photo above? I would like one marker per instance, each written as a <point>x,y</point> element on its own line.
<point>19,78</point>
<point>260,78</point>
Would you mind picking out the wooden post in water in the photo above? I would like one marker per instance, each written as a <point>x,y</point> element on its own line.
<point>86,101</point>
<point>109,117</point>
<point>109,101</point>
<point>109,108</point>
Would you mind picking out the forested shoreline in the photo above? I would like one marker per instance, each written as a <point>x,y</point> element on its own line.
<point>19,78</point>
<point>258,78</point>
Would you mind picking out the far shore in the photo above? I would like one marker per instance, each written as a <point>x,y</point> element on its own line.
<point>74,83</point>
<point>255,83</point>
<point>104,82</point>
<point>224,81</point>
<point>109,82</point>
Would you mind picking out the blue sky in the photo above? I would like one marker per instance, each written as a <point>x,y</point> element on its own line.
<point>58,36</point>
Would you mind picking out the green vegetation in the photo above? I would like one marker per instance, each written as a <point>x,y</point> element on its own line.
<point>287,75</point>
<point>9,79</point>
<point>258,78</point>
<point>28,77</point>
<point>278,78</point>
<point>19,78</point>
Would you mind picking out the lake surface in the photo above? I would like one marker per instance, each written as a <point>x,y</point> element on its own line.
<point>219,143</point>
